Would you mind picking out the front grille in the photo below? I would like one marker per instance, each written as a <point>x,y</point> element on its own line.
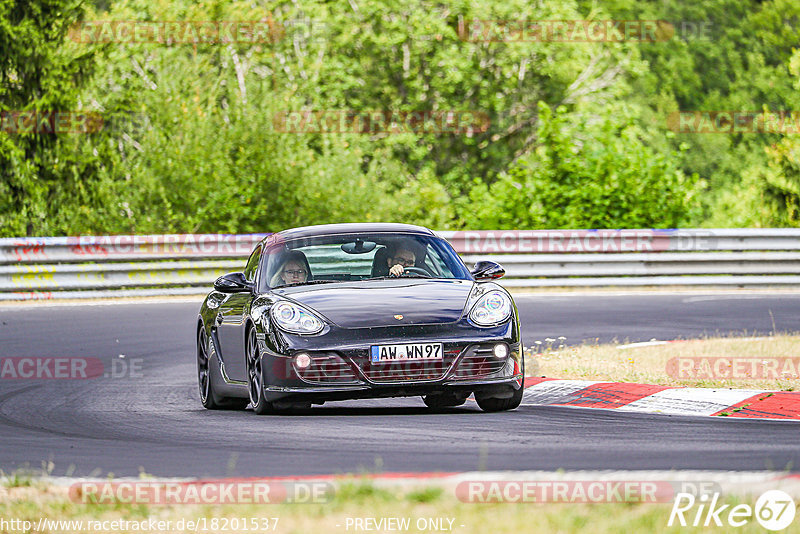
<point>327,368</point>
<point>407,371</point>
<point>479,362</point>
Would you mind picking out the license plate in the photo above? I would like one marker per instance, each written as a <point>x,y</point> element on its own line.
<point>406,352</point>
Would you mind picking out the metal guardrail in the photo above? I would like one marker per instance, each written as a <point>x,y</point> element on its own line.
<point>99,266</point>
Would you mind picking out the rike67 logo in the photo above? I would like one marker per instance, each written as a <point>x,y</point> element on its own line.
<point>774,510</point>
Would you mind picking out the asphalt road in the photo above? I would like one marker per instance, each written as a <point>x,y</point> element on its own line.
<point>149,417</point>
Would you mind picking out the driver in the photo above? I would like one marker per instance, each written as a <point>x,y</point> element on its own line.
<point>400,257</point>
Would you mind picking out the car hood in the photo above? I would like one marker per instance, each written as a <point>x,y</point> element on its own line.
<point>380,302</point>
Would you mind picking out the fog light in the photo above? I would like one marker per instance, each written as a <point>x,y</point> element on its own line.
<point>500,351</point>
<point>302,361</point>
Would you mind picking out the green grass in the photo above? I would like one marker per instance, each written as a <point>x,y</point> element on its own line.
<point>17,479</point>
<point>362,498</point>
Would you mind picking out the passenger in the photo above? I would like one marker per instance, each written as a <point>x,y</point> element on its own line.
<point>294,270</point>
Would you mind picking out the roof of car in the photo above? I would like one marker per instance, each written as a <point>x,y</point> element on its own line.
<point>350,228</point>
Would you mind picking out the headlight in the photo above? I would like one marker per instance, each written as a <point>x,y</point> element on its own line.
<point>492,308</point>
<point>295,319</point>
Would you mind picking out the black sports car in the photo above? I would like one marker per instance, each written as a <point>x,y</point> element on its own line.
<point>348,311</point>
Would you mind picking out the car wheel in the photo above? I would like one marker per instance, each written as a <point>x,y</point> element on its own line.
<point>210,399</point>
<point>255,377</point>
<point>494,404</point>
<point>444,401</point>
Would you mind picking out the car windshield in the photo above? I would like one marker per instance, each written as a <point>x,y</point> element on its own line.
<point>355,257</point>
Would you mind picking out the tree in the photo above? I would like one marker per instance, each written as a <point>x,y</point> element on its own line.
<point>39,73</point>
<point>588,170</point>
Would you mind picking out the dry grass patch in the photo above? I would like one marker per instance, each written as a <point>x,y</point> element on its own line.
<point>771,363</point>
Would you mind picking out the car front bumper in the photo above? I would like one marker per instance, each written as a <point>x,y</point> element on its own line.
<point>320,394</point>
<point>283,381</point>
<point>346,372</point>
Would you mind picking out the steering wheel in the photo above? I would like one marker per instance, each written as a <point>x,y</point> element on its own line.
<point>416,270</point>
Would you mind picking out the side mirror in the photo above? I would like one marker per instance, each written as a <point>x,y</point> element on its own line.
<point>232,283</point>
<point>487,270</point>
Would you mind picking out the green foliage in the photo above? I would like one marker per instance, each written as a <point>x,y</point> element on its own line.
<point>768,194</point>
<point>37,73</point>
<point>780,184</point>
<point>587,171</point>
<point>781,181</point>
<point>726,55</point>
<point>577,134</point>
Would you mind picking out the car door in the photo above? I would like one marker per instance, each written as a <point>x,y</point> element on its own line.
<point>230,325</point>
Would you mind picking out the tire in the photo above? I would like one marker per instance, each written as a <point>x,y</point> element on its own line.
<point>210,399</point>
<point>444,401</point>
<point>500,405</point>
<point>255,376</point>
<point>493,404</point>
